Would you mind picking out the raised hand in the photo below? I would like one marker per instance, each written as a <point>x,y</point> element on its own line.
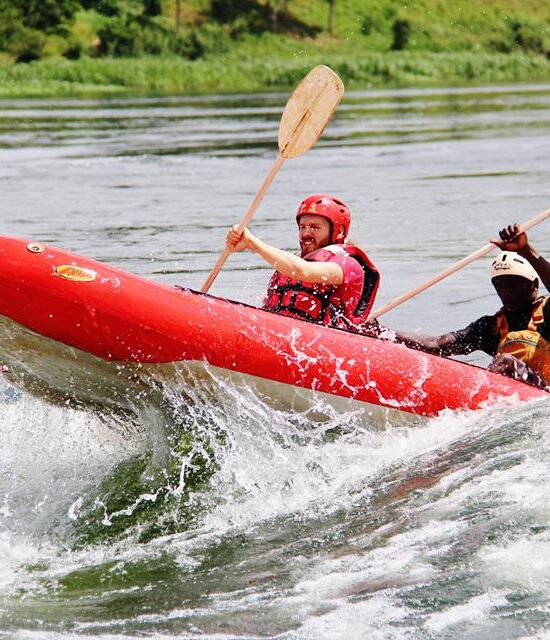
<point>511,239</point>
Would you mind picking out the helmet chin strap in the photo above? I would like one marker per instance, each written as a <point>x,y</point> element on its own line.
<point>341,237</point>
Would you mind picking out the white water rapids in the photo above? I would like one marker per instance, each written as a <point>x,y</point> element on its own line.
<point>400,533</point>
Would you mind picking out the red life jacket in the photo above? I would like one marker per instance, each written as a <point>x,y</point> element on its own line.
<point>323,303</point>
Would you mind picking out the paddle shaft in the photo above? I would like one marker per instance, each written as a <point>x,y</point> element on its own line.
<point>245,221</point>
<point>305,116</point>
<point>453,268</point>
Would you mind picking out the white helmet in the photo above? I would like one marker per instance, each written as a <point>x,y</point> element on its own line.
<point>509,263</point>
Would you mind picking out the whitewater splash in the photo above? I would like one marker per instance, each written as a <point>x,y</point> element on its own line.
<point>324,529</point>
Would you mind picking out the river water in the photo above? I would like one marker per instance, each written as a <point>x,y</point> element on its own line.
<point>297,531</point>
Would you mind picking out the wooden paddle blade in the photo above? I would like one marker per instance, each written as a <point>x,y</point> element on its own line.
<point>304,119</point>
<point>309,110</point>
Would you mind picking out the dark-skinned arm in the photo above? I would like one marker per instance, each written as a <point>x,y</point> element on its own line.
<point>512,239</point>
<point>447,344</point>
<point>443,345</point>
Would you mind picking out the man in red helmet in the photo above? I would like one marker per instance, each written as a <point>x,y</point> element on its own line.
<point>332,282</point>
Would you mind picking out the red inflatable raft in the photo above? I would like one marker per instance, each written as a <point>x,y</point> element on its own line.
<point>72,327</point>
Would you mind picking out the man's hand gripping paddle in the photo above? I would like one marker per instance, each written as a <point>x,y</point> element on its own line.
<point>453,268</point>
<point>305,117</point>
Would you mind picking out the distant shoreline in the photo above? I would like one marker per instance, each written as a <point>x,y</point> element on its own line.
<point>172,75</point>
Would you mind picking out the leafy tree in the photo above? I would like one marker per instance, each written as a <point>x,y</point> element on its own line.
<point>402,30</point>
<point>44,15</point>
<point>152,8</point>
<point>225,11</point>
<point>106,7</point>
<point>178,15</point>
<point>258,17</point>
<point>22,23</point>
<point>527,36</point>
<point>30,47</point>
<point>278,7</point>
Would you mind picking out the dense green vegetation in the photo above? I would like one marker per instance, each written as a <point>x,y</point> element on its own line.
<point>86,46</point>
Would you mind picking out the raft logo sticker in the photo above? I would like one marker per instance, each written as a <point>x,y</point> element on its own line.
<point>35,247</point>
<point>75,273</point>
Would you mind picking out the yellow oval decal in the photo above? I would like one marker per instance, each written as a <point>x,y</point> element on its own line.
<point>75,273</point>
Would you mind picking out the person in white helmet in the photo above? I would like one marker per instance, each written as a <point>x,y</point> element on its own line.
<point>518,335</point>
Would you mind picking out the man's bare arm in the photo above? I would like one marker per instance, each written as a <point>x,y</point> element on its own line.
<point>285,262</point>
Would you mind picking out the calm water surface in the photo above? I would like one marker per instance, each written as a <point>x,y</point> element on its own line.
<point>340,531</point>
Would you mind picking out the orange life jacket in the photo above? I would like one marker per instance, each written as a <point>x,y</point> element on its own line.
<point>323,303</point>
<point>528,345</point>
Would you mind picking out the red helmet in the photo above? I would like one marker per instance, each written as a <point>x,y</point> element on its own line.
<point>334,210</point>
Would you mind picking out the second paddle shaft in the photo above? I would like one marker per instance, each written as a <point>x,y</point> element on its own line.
<point>453,268</point>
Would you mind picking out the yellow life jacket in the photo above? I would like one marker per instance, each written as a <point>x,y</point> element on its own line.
<point>528,344</point>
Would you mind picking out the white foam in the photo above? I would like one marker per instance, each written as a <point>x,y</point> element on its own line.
<point>473,612</point>
<point>16,554</point>
<point>520,564</point>
<point>49,454</point>
<point>272,464</point>
<point>375,618</point>
<point>272,470</point>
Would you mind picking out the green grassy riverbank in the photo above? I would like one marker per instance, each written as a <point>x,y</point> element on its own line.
<point>57,77</point>
<point>117,47</point>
